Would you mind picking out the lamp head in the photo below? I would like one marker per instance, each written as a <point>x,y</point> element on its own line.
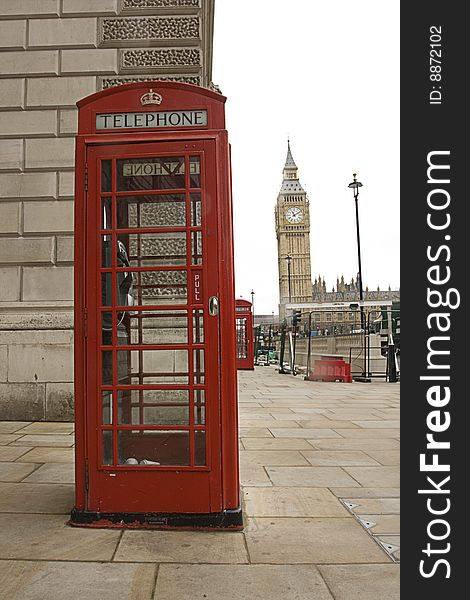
<point>355,184</point>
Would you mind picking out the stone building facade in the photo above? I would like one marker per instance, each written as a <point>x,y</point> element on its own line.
<point>349,292</point>
<point>52,53</point>
<point>331,311</point>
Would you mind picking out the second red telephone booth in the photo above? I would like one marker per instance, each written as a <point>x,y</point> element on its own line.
<point>244,334</point>
<point>155,372</point>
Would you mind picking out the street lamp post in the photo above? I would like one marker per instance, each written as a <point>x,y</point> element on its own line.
<point>309,346</point>
<point>273,342</point>
<point>294,327</point>
<point>289,260</point>
<point>255,330</point>
<point>269,344</point>
<point>355,185</point>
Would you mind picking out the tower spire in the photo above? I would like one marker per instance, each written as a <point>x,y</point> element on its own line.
<point>290,163</point>
<point>290,174</point>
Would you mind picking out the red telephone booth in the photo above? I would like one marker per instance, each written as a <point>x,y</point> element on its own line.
<point>244,334</point>
<point>155,371</point>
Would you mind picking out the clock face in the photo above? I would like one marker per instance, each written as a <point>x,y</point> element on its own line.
<point>294,214</point>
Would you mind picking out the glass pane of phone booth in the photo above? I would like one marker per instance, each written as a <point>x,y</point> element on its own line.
<point>242,337</point>
<point>153,384</point>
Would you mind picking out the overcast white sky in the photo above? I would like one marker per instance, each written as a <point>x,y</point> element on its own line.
<point>326,73</point>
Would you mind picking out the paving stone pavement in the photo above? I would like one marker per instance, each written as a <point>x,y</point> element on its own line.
<point>319,467</point>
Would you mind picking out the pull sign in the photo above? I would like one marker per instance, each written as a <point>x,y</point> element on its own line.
<point>197,286</point>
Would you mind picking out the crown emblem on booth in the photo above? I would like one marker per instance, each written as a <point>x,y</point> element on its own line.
<point>151,97</point>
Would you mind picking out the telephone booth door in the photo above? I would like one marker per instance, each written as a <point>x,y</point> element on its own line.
<point>154,401</point>
<point>244,334</point>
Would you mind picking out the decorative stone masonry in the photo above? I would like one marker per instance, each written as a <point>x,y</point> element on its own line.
<point>107,82</point>
<point>151,4</point>
<point>153,29</point>
<point>166,58</point>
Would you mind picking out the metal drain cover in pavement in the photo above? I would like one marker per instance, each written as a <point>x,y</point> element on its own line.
<point>390,548</point>
<point>367,524</point>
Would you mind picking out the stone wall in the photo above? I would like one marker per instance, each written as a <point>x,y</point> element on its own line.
<point>52,53</point>
<point>344,346</point>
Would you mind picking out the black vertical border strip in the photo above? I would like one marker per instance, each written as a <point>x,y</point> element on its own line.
<point>426,128</point>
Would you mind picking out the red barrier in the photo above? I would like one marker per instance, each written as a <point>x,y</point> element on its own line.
<point>331,370</point>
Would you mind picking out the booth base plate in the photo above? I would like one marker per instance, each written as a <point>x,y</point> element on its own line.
<point>227,519</point>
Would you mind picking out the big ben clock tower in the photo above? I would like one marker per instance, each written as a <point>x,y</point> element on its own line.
<point>293,238</point>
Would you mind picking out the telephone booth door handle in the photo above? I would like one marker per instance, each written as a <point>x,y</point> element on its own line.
<point>213,306</point>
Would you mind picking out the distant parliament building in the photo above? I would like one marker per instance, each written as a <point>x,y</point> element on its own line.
<point>292,219</point>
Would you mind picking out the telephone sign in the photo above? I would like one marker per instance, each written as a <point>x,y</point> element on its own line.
<point>156,410</point>
<point>193,118</point>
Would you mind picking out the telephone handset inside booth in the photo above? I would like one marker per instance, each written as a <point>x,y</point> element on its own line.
<point>124,289</point>
<point>125,280</point>
<point>124,297</point>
